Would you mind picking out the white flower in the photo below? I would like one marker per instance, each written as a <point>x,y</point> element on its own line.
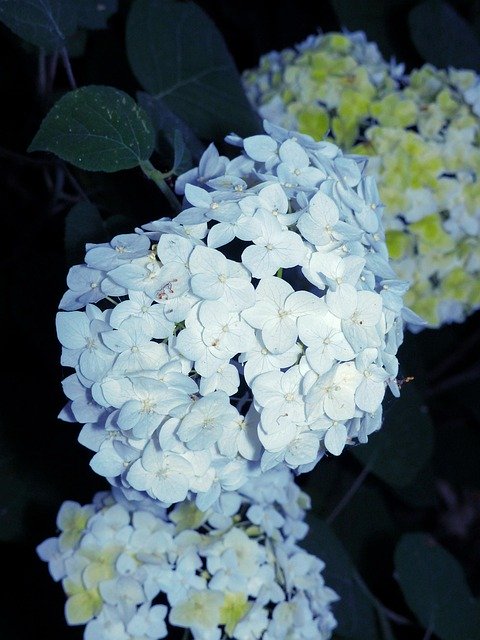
<point>259,359</point>
<point>200,611</point>
<point>360,311</point>
<point>203,425</point>
<point>140,305</point>
<point>273,248</point>
<point>333,394</point>
<point>276,311</point>
<point>216,278</point>
<point>165,476</point>
<point>279,394</point>
<point>325,340</point>
<point>369,393</point>
<point>295,169</point>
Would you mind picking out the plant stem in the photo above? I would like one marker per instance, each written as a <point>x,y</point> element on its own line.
<point>384,614</point>
<point>429,631</point>
<point>159,178</point>
<point>352,490</point>
<point>42,72</point>
<point>68,67</point>
<point>52,71</point>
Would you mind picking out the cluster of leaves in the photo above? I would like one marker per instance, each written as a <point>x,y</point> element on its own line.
<point>110,94</point>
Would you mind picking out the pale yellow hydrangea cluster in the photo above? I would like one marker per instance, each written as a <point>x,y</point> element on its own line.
<point>421,132</point>
<point>133,570</point>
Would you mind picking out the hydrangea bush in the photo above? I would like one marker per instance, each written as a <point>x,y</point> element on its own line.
<point>138,571</point>
<point>259,327</point>
<point>421,131</point>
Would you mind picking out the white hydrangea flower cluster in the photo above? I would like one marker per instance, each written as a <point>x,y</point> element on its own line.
<point>421,131</point>
<point>194,370</point>
<point>137,571</point>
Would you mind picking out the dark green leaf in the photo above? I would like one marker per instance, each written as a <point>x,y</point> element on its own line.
<point>97,128</point>
<point>177,53</point>
<point>404,444</point>
<point>77,43</point>
<point>44,23</point>
<point>442,37</point>
<point>182,158</point>
<point>434,587</point>
<point>422,492</point>
<point>166,123</point>
<point>83,223</point>
<point>94,14</point>
<point>354,611</point>
<point>119,224</point>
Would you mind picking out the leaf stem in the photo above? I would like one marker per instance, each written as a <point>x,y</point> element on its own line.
<point>159,178</point>
<point>429,630</point>
<point>52,71</point>
<point>42,72</point>
<point>68,67</point>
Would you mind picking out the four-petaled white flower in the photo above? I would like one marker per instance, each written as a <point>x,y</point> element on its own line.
<point>163,475</point>
<point>273,248</point>
<point>203,425</point>
<point>276,311</point>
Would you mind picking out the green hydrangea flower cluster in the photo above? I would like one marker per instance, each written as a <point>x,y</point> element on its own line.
<point>421,132</point>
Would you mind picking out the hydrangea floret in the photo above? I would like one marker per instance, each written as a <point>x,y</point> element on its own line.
<point>259,327</point>
<point>137,571</point>
<point>421,132</point>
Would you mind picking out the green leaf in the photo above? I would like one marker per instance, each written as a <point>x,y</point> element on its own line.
<point>182,158</point>
<point>83,223</point>
<point>44,23</point>
<point>97,128</point>
<point>422,492</point>
<point>354,611</point>
<point>94,14</point>
<point>404,444</point>
<point>77,43</point>
<point>117,224</point>
<point>177,53</point>
<point>442,37</point>
<point>435,588</point>
<point>166,123</point>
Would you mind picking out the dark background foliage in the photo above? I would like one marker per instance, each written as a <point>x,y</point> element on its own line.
<point>419,477</point>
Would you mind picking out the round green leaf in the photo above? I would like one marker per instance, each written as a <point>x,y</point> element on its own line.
<point>177,53</point>
<point>97,128</point>
<point>442,37</point>
<point>83,223</point>
<point>44,23</point>
<point>404,444</point>
<point>435,588</point>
